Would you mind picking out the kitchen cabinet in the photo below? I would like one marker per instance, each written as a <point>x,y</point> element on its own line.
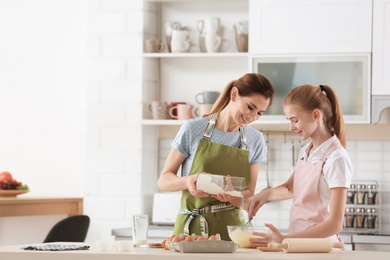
<point>310,26</point>
<point>348,74</point>
<point>380,59</point>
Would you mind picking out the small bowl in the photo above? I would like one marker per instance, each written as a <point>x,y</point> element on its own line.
<point>124,245</point>
<point>241,234</point>
<point>104,245</point>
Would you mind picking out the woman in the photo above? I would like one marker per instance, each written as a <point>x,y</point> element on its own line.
<point>323,174</point>
<point>219,143</point>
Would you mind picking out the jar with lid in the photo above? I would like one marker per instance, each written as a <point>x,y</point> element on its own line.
<point>351,194</point>
<point>361,193</point>
<point>371,218</point>
<point>350,217</point>
<point>360,218</point>
<point>371,194</point>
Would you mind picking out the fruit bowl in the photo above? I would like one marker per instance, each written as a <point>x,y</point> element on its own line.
<point>11,193</point>
<point>241,234</point>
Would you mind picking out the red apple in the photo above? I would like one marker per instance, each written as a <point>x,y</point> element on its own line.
<point>5,177</point>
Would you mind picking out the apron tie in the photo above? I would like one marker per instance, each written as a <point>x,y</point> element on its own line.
<point>204,227</point>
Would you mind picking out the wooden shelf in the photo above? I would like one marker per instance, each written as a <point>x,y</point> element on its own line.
<point>31,206</point>
<point>197,55</point>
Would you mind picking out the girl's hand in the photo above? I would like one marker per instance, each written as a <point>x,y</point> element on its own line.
<point>264,238</point>
<point>191,186</point>
<point>254,203</point>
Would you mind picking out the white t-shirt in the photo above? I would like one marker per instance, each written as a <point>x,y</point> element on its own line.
<point>337,169</point>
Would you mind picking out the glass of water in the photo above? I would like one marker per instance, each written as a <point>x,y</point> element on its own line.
<point>140,224</point>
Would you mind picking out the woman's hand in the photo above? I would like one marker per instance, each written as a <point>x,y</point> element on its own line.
<point>191,186</point>
<point>264,238</point>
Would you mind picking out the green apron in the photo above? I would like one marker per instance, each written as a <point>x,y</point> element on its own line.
<point>209,216</point>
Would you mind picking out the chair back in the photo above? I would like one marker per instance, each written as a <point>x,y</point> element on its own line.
<point>70,229</point>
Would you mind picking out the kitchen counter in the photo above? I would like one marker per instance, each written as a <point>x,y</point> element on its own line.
<point>16,253</point>
<point>159,233</point>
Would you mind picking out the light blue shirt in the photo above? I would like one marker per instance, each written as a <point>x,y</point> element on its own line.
<point>190,133</point>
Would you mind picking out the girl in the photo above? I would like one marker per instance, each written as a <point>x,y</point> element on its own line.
<point>219,143</point>
<point>323,174</point>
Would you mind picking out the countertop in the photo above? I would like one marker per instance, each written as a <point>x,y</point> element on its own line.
<point>161,232</point>
<point>16,253</point>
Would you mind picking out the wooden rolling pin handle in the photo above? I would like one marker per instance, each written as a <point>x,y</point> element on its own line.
<point>277,245</point>
<point>340,245</point>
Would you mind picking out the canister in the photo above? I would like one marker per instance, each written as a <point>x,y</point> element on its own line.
<point>361,193</point>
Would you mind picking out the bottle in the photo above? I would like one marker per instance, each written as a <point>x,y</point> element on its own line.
<point>371,217</point>
<point>361,193</point>
<point>371,194</point>
<point>350,217</point>
<point>360,217</point>
<point>351,194</point>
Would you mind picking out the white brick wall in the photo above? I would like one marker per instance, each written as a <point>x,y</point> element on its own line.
<point>114,110</point>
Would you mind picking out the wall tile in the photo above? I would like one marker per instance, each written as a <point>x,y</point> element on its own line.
<point>122,5</point>
<point>135,69</point>
<point>93,47</point>
<point>105,69</point>
<point>105,115</point>
<point>135,22</point>
<point>118,91</point>
<point>363,146</point>
<point>92,184</point>
<point>104,23</point>
<point>121,45</point>
<point>92,138</point>
<point>93,92</point>
<point>119,185</point>
<point>98,207</point>
<point>133,162</point>
<point>105,161</point>
<point>122,138</point>
<point>94,5</point>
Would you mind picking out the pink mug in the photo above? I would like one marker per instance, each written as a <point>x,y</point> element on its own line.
<point>183,111</point>
<point>202,110</point>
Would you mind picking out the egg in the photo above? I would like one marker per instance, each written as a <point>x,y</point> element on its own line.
<point>213,237</point>
<point>176,239</point>
<point>201,238</point>
<point>189,239</point>
<point>163,244</point>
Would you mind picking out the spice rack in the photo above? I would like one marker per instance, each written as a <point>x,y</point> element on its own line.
<point>362,209</point>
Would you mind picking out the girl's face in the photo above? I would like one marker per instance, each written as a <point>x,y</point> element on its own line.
<point>303,122</point>
<point>247,109</point>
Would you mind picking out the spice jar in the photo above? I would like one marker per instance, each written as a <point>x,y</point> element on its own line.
<point>371,217</point>
<point>371,194</point>
<point>361,193</point>
<point>360,217</point>
<point>351,194</point>
<point>349,217</point>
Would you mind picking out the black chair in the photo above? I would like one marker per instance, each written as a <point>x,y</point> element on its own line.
<point>70,229</point>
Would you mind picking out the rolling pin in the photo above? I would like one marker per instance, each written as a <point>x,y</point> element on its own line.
<point>306,245</point>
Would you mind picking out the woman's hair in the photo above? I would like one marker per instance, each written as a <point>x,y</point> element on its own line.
<point>248,85</point>
<point>322,97</point>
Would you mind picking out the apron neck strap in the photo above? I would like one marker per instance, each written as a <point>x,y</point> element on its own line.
<point>210,128</point>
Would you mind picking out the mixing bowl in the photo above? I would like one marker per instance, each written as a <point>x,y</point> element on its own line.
<point>241,234</point>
